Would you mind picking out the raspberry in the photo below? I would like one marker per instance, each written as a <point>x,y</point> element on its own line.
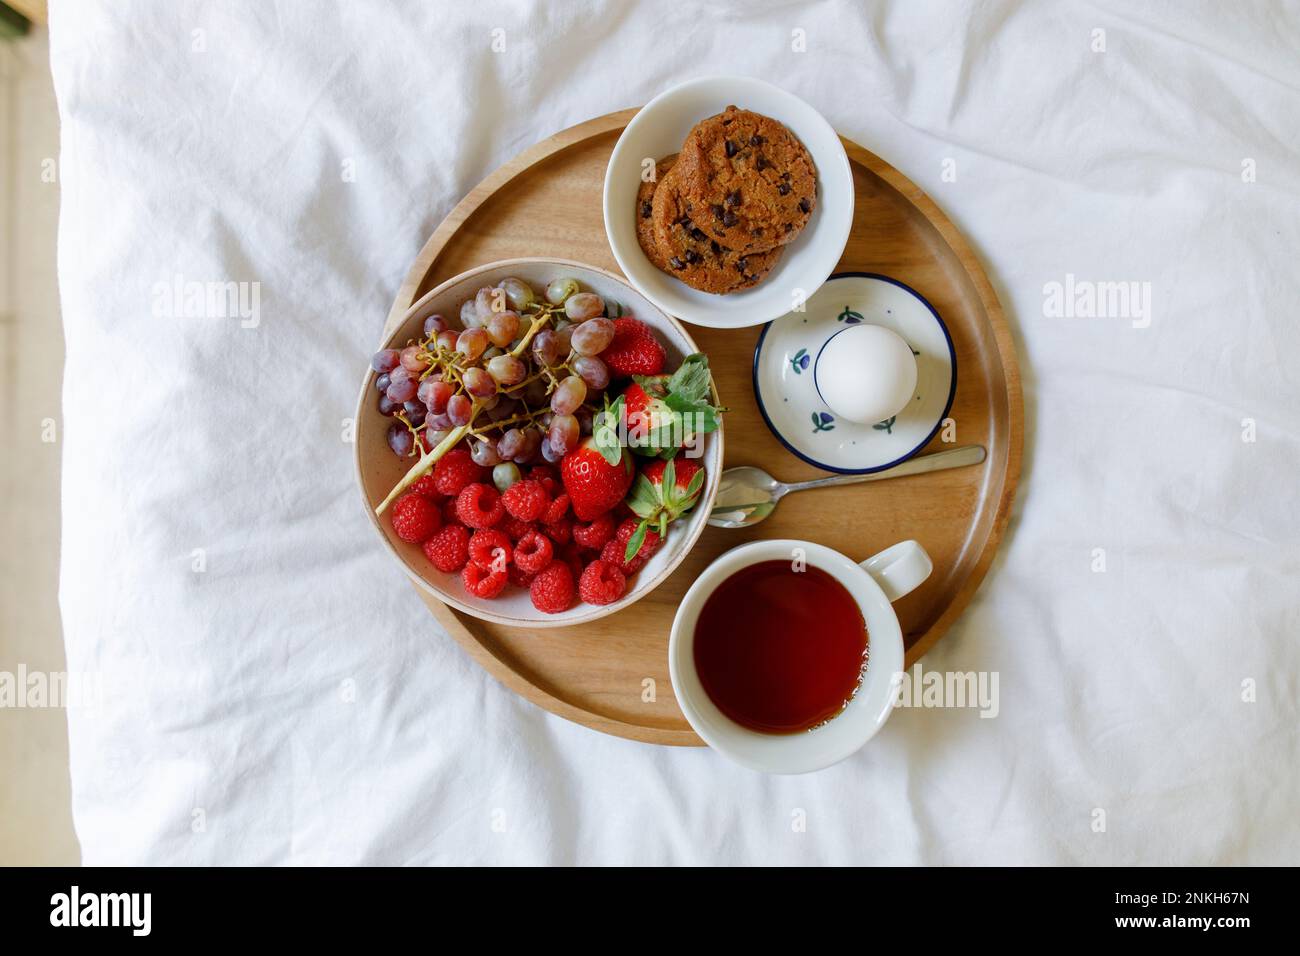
<point>518,576</point>
<point>613,553</point>
<point>595,534</point>
<point>533,552</point>
<point>425,485</point>
<point>547,476</point>
<point>449,515</point>
<point>479,506</point>
<point>481,582</point>
<point>490,549</point>
<point>415,517</point>
<point>455,470</point>
<point>552,588</point>
<point>556,510</point>
<point>515,528</point>
<point>601,583</point>
<point>648,547</point>
<point>560,532</point>
<point>571,556</point>
<point>448,549</point>
<point>526,500</point>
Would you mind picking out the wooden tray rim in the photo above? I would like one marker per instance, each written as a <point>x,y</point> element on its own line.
<point>973,268</point>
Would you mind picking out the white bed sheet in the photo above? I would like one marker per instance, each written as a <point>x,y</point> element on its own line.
<point>294,703</point>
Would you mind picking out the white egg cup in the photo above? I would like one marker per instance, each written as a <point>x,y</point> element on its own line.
<point>789,366</point>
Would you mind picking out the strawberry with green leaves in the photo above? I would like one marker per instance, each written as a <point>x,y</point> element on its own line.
<point>664,412</point>
<point>662,493</point>
<point>596,474</point>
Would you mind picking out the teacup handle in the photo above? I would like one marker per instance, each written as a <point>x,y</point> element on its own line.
<point>899,570</point>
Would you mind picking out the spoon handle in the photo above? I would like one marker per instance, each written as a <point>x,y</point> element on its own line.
<point>952,458</point>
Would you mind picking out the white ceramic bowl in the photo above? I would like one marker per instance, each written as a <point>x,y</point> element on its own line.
<point>659,129</point>
<point>378,469</point>
<point>874,584</point>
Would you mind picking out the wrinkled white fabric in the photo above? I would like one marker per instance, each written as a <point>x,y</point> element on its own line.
<point>1147,711</point>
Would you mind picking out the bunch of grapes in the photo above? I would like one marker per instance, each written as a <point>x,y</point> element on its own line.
<point>521,380</point>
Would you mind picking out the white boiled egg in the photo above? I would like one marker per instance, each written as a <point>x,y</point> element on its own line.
<point>866,373</point>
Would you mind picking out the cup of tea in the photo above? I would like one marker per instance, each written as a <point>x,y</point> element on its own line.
<point>783,653</point>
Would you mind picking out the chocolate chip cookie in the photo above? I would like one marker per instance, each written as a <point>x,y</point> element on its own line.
<point>645,231</point>
<point>755,181</point>
<point>689,253</point>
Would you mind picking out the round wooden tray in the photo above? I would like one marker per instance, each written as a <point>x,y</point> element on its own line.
<point>612,674</point>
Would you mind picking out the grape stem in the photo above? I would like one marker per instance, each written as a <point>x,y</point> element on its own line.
<point>533,329</point>
<point>427,460</point>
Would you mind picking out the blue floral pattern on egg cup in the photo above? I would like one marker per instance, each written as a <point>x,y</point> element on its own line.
<point>823,421</point>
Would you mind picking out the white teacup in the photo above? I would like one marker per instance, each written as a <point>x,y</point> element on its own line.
<point>874,584</point>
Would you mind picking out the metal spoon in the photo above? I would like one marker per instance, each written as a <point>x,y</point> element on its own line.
<point>747,494</point>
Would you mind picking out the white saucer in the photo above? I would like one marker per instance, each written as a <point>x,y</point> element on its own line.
<point>786,389</point>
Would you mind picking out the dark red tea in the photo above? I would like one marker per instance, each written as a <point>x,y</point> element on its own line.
<point>779,650</point>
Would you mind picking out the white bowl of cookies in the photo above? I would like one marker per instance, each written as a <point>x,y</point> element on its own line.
<point>728,201</point>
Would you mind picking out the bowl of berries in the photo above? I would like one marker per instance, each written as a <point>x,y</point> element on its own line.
<point>537,443</point>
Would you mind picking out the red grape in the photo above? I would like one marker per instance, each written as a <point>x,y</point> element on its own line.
<point>471,343</point>
<point>507,369</point>
<point>564,433</point>
<point>484,454</point>
<point>592,370</point>
<point>546,347</point>
<point>502,327</point>
<point>400,439</point>
<point>460,409</point>
<point>592,337</point>
<point>583,305</point>
<point>478,382</point>
<point>519,293</point>
<point>411,360</point>
<point>385,360</point>
<point>560,289</point>
<point>568,395</point>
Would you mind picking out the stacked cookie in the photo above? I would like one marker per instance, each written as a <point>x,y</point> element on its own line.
<point>717,214</point>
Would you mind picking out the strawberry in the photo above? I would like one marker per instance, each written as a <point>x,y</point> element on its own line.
<point>415,517</point>
<point>596,476</point>
<point>634,350</point>
<point>662,412</point>
<point>664,491</point>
